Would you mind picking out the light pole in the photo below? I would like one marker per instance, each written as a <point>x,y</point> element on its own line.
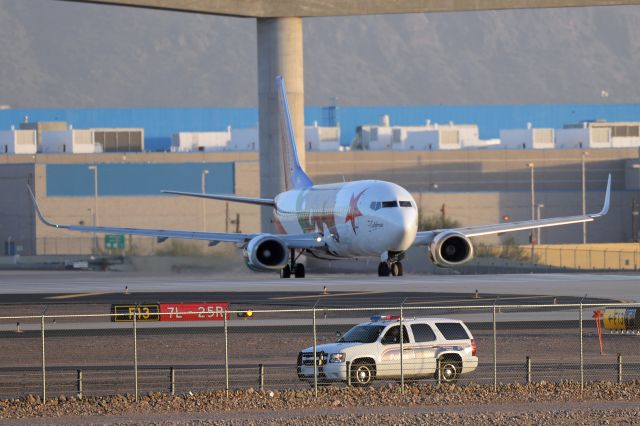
<point>533,190</point>
<point>94,168</point>
<point>539,206</point>
<point>584,197</point>
<point>204,212</point>
<point>533,206</point>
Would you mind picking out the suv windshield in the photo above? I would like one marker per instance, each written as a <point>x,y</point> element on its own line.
<point>362,334</point>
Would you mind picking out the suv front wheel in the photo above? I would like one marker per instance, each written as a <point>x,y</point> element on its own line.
<point>362,373</point>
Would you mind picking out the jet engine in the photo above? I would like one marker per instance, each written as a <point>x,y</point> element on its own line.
<point>450,249</point>
<point>266,252</point>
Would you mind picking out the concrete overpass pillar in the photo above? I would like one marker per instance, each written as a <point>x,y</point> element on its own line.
<point>279,53</point>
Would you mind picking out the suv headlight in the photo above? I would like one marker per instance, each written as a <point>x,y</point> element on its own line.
<point>336,357</point>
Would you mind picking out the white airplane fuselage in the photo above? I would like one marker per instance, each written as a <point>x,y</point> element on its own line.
<point>362,218</point>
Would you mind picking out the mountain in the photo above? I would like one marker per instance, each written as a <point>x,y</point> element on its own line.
<point>58,54</point>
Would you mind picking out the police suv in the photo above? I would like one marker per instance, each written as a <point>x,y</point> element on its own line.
<point>431,348</point>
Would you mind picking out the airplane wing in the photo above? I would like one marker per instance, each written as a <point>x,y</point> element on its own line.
<point>248,200</point>
<point>425,237</point>
<point>296,241</point>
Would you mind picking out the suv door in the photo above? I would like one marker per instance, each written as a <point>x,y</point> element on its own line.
<point>390,354</point>
<point>424,349</point>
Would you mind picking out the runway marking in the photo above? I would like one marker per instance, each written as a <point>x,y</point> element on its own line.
<point>77,295</point>
<point>313,296</point>
<point>433,302</point>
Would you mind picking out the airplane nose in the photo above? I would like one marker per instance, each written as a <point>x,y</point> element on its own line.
<point>403,229</point>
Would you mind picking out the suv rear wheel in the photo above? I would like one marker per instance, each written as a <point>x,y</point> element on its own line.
<point>449,371</point>
<point>363,372</point>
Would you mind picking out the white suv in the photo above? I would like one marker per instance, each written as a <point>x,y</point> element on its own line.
<point>371,350</point>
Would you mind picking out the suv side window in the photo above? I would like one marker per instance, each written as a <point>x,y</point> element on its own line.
<point>452,330</point>
<point>422,333</point>
<point>392,336</point>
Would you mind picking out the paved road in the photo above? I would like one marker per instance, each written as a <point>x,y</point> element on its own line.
<point>625,287</point>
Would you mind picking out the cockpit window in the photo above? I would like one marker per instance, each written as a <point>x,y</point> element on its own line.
<point>377,205</point>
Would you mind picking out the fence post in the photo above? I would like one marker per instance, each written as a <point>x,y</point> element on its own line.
<point>495,352</point>
<point>135,352</point>
<point>528,370</point>
<point>44,372</point>
<point>315,354</point>
<point>438,372</point>
<point>261,377</point>
<point>79,383</point>
<point>581,353</point>
<point>619,369</point>
<point>348,367</point>
<point>226,354</point>
<point>172,380</point>
<point>401,351</point>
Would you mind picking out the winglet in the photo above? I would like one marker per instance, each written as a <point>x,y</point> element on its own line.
<point>607,200</point>
<point>38,212</point>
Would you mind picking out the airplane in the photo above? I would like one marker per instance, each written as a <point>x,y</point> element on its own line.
<point>365,218</point>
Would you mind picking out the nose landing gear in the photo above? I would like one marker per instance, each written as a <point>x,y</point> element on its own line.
<point>391,265</point>
<point>297,269</point>
<point>394,269</point>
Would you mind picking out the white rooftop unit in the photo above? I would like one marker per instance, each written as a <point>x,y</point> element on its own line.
<point>322,138</point>
<point>70,141</point>
<point>201,141</point>
<point>18,142</point>
<point>528,138</point>
<point>583,138</point>
<point>430,137</point>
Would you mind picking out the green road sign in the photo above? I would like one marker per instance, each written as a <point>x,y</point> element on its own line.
<point>114,242</point>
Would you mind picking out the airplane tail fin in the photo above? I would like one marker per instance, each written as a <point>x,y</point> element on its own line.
<point>294,176</point>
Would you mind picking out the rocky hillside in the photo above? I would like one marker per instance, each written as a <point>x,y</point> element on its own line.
<point>58,54</point>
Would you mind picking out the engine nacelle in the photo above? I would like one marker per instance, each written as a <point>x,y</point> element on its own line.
<point>450,249</point>
<point>266,252</point>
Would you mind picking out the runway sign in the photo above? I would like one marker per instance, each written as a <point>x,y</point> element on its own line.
<point>206,311</point>
<point>125,313</point>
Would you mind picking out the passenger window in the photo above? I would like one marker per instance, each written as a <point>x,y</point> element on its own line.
<point>422,333</point>
<point>386,204</point>
<point>392,336</point>
<point>452,331</point>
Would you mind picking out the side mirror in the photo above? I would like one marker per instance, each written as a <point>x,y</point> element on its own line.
<point>338,334</point>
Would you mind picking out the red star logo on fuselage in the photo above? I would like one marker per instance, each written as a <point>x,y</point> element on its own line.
<point>354,212</point>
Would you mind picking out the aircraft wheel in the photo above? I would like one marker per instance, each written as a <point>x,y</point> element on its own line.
<point>383,269</point>
<point>400,269</point>
<point>298,270</point>
<point>285,272</point>
<point>394,269</point>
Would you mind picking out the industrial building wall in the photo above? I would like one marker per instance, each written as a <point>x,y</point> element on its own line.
<point>17,220</point>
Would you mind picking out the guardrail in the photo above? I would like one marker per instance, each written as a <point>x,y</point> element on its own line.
<point>89,354</point>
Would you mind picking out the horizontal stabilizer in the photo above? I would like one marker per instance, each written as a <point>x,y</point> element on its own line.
<point>224,197</point>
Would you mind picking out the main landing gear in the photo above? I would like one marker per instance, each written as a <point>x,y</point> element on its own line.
<point>293,268</point>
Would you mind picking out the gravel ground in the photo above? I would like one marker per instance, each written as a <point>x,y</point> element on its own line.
<point>540,403</point>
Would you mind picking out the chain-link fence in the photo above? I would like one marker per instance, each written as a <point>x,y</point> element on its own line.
<point>145,351</point>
